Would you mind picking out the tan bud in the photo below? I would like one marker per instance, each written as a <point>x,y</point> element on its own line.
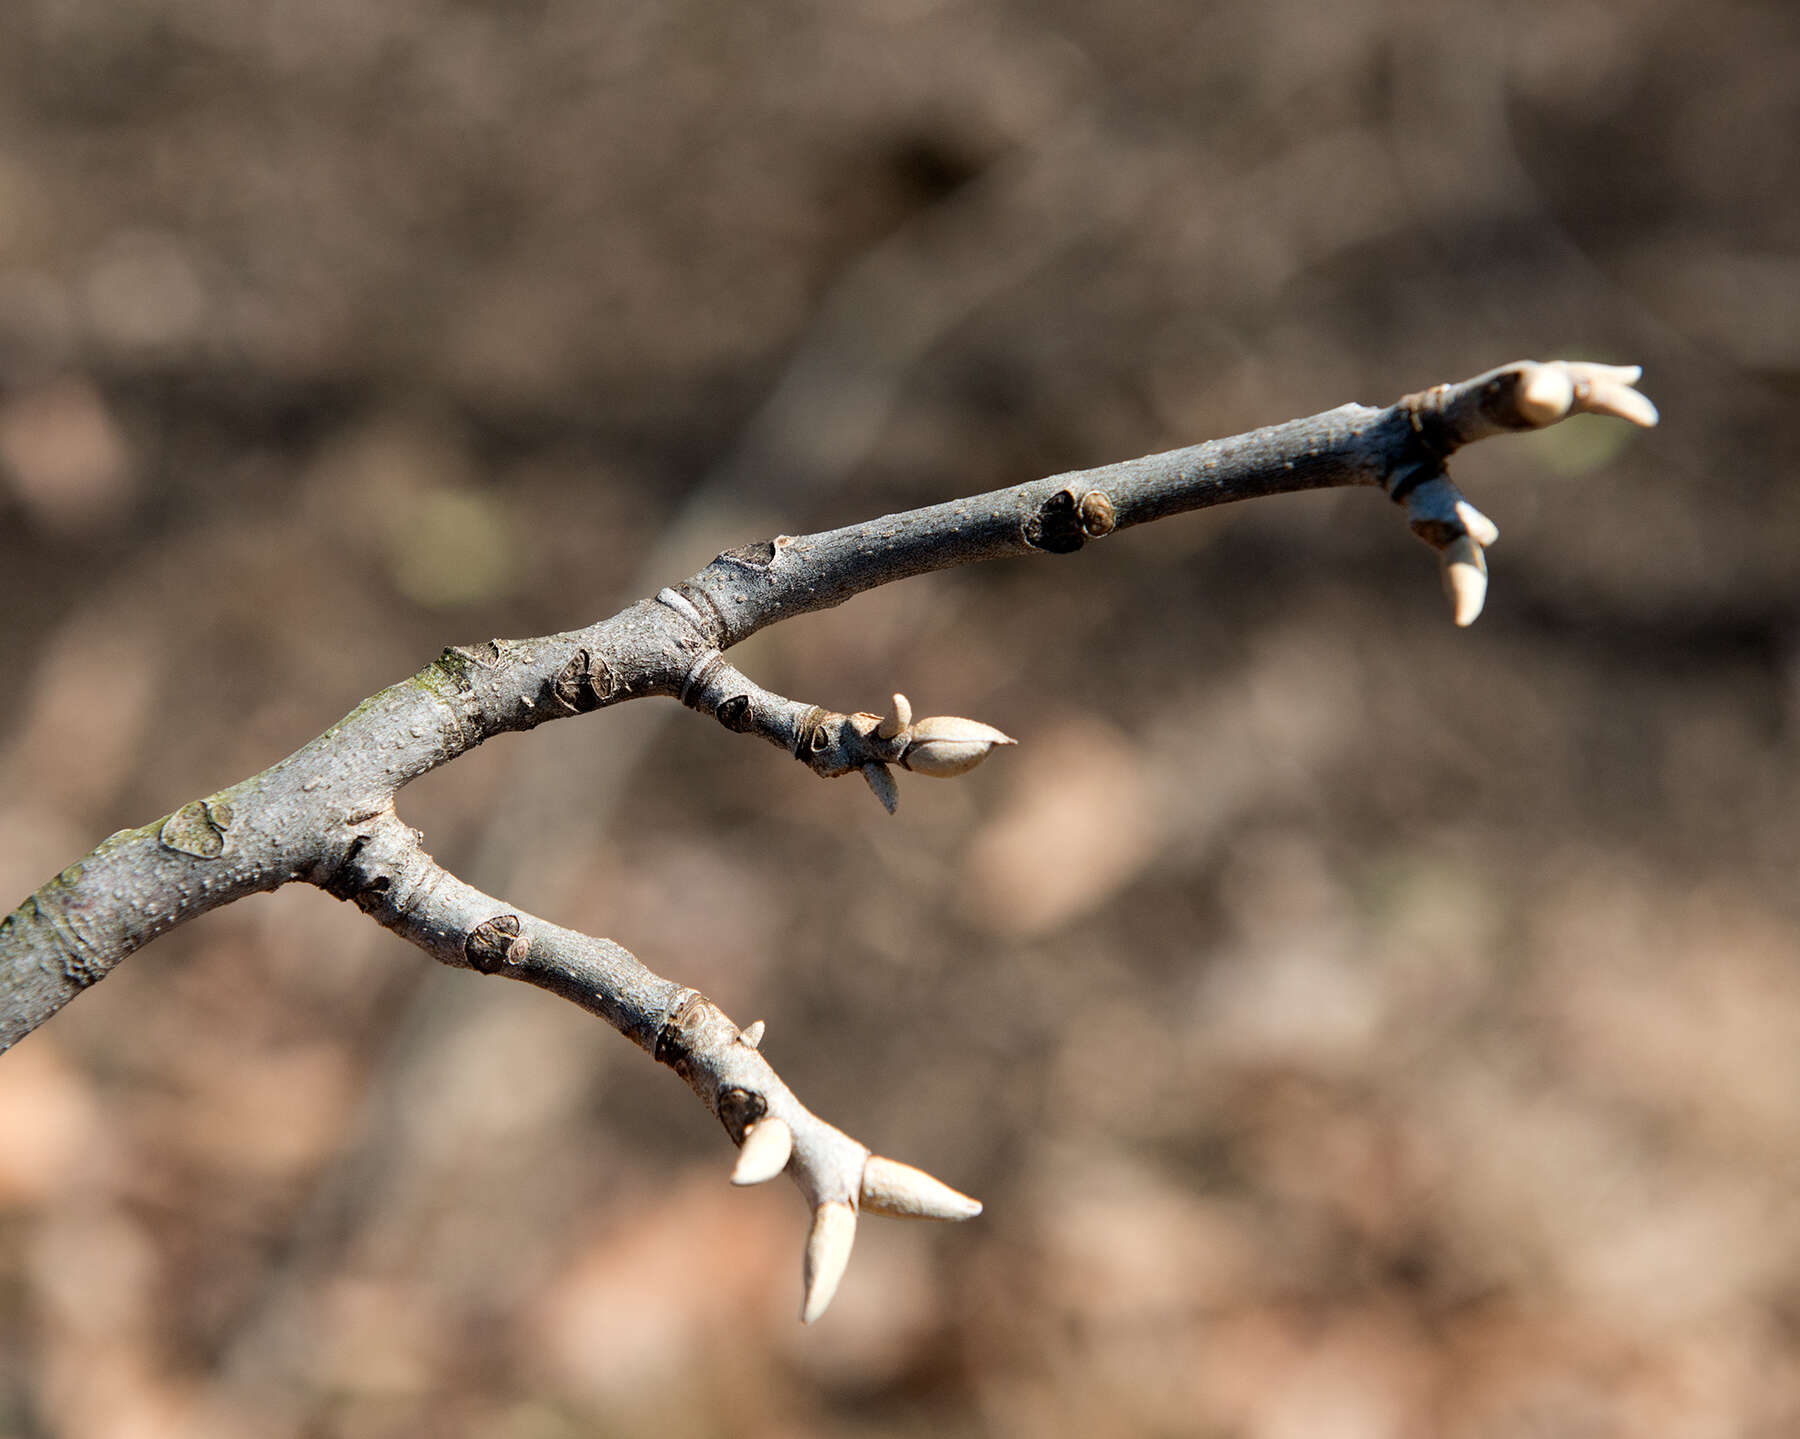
<point>752,1036</point>
<point>1481,529</point>
<point>1609,397</point>
<point>1465,579</point>
<point>1546,394</point>
<point>899,716</point>
<point>892,1188</point>
<point>946,745</point>
<point>767,1145</point>
<point>1563,387</point>
<point>827,1255</point>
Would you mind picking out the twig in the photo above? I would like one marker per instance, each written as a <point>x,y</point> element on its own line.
<point>325,814</point>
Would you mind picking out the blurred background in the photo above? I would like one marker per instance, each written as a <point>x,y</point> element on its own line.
<point>1355,1027</point>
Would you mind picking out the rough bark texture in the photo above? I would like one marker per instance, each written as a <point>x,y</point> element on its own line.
<point>325,814</point>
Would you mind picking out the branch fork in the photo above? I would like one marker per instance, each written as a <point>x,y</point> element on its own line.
<point>776,1133</point>
<point>1525,395</point>
<point>326,814</point>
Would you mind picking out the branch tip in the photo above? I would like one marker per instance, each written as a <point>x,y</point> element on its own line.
<point>947,745</point>
<point>899,716</point>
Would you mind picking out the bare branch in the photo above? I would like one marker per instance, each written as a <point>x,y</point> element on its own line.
<point>833,744</point>
<point>326,815</point>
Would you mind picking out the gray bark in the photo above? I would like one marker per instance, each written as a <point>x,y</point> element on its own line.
<point>325,814</point>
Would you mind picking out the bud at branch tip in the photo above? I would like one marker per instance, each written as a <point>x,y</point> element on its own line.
<point>947,745</point>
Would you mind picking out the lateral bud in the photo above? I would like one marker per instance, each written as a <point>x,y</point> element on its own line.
<point>1465,579</point>
<point>1481,529</point>
<point>1545,394</point>
<point>899,716</point>
<point>767,1145</point>
<point>946,745</point>
<point>827,1254</point>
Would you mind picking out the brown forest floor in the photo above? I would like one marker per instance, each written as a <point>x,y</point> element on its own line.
<point>1356,1027</point>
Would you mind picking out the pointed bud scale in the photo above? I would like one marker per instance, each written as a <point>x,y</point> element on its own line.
<point>1465,579</point>
<point>881,780</point>
<point>767,1145</point>
<point>902,1192</point>
<point>946,745</point>
<point>753,1035</point>
<point>827,1254</point>
<point>898,718</point>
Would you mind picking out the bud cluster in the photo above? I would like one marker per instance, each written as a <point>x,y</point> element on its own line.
<point>938,745</point>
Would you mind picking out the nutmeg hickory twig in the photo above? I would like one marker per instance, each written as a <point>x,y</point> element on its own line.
<point>325,815</point>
